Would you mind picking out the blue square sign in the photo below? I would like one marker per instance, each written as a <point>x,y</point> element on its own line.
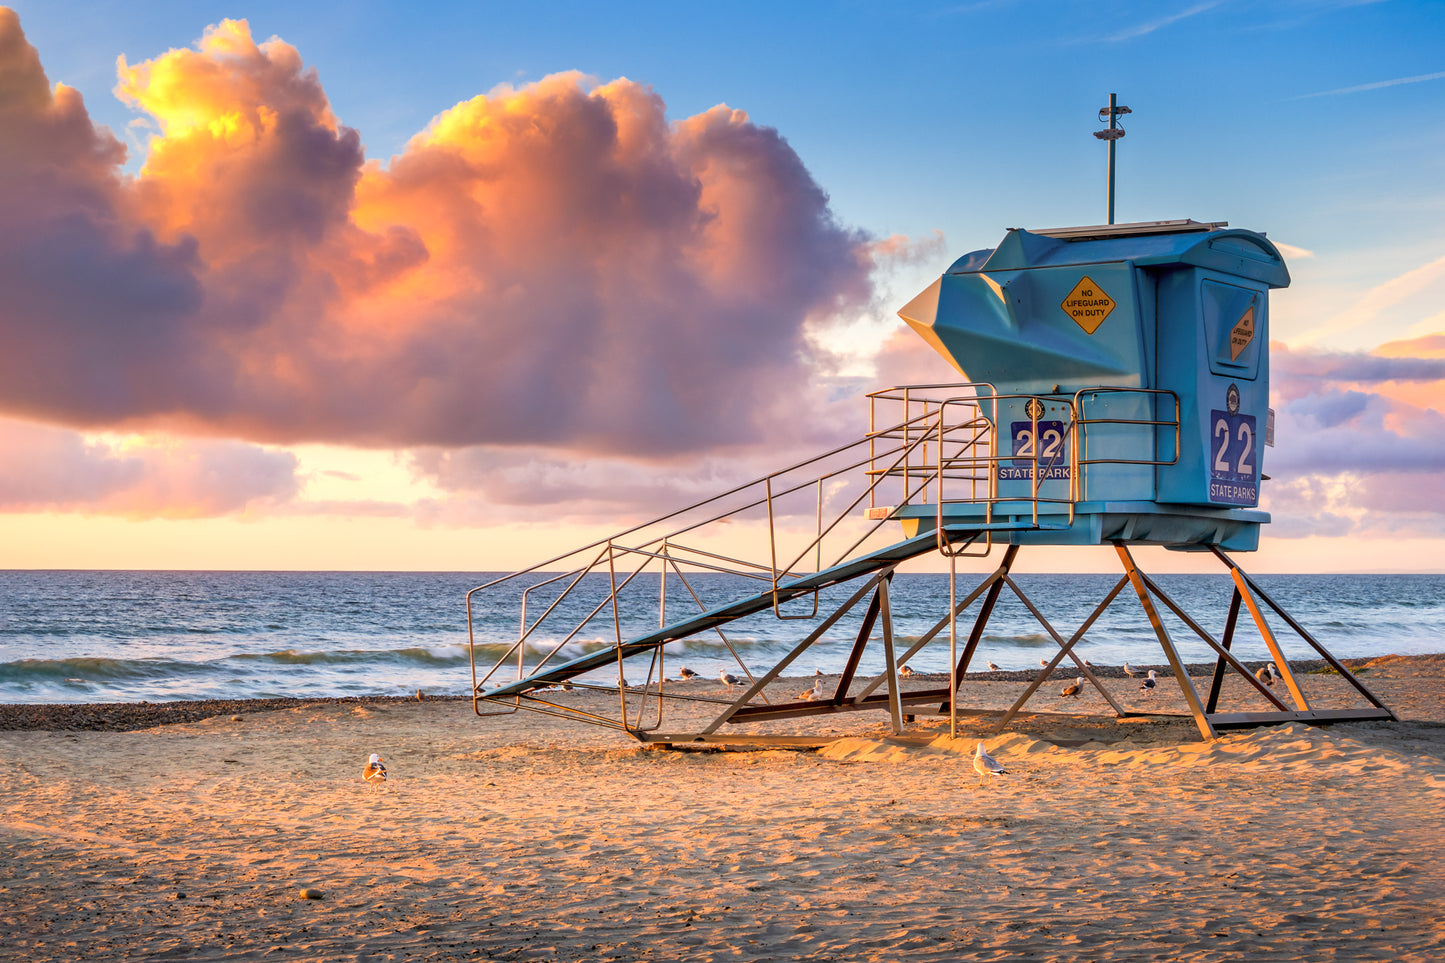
<point>1234,459</point>
<point>1041,443</point>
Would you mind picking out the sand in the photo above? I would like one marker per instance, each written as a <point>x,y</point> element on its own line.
<point>527,838</point>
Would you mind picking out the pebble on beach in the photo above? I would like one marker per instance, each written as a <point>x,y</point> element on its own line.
<point>312,894</point>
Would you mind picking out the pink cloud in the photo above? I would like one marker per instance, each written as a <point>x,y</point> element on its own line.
<point>48,469</point>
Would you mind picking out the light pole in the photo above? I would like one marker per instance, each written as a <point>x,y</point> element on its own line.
<point>1114,132</point>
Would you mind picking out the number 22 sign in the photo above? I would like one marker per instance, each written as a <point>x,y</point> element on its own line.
<point>1040,443</point>
<point>1234,459</point>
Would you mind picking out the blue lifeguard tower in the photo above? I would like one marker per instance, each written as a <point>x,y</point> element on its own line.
<point>1115,394</point>
<point>1124,371</point>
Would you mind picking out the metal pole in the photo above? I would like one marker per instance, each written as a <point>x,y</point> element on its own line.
<point>952,646</point>
<point>1113,124</point>
<point>1111,134</point>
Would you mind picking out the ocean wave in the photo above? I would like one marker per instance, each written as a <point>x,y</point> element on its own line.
<point>97,670</point>
<point>448,655</point>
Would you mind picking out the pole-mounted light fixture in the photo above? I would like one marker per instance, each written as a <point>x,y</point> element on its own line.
<point>1111,113</point>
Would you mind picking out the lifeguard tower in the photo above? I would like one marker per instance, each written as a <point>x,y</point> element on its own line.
<point>1115,394</point>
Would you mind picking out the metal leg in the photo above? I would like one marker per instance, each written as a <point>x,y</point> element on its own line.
<point>1217,683</point>
<point>1279,660</point>
<point>1304,634</point>
<point>984,613</point>
<point>938,626</point>
<point>1004,567</point>
<point>890,668</point>
<point>1065,648</point>
<point>1223,653</point>
<point>1206,729</point>
<point>865,632</point>
<point>798,650</point>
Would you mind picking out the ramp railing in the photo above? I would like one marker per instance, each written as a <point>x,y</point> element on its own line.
<point>620,600</point>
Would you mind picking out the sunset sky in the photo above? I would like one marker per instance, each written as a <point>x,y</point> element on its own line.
<point>354,286</point>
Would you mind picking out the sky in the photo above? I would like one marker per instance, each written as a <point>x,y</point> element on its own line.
<point>370,286</point>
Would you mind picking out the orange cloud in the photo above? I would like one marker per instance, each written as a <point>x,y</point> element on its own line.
<point>553,265</point>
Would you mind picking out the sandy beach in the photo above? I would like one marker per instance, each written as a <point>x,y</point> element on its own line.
<point>527,838</point>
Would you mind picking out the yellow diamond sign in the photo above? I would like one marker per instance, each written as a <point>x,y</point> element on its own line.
<point>1242,334</point>
<point>1088,305</point>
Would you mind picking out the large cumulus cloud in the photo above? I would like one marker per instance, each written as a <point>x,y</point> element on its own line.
<point>556,265</point>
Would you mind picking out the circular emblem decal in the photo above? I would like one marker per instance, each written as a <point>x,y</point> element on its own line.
<point>1231,399</point>
<point>1035,408</point>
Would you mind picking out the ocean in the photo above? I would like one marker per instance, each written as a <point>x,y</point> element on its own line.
<point>115,636</point>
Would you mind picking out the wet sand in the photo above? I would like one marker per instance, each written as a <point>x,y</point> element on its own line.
<point>528,838</point>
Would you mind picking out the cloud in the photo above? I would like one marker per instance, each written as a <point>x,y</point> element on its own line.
<point>1420,285</point>
<point>47,469</point>
<point>1374,85</point>
<point>1361,440</point>
<point>1159,23</point>
<point>553,265</point>
<point>1292,253</point>
<point>1302,369</point>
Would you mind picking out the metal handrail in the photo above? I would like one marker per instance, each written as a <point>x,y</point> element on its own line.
<point>946,448</point>
<point>916,432</point>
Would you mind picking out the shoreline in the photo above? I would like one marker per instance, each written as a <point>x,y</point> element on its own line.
<point>136,716</point>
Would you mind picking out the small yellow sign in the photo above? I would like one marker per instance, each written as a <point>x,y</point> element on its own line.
<point>1088,305</point>
<point>1242,334</point>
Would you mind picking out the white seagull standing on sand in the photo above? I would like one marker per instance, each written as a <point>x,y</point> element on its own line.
<point>1128,671</point>
<point>375,772</point>
<point>1148,684</point>
<point>992,667</point>
<point>1073,688</point>
<point>728,679</point>
<point>687,674</point>
<point>1265,674</point>
<point>906,671</point>
<point>815,693</point>
<point>986,765</point>
<point>1044,663</point>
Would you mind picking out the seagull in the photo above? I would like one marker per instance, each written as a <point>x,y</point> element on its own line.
<point>815,693</point>
<point>375,772</point>
<point>992,667</point>
<point>1265,674</point>
<point>1073,688</point>
<point>1044,663</point>
<point>986,765</point>
<point>687,674</point>
<point>1128,671</point>
<point>728,679</point>
<point>1148,684</point>
<point>905,671</point>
